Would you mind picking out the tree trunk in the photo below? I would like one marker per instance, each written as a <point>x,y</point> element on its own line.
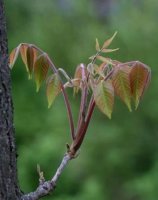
<point>8,174</point>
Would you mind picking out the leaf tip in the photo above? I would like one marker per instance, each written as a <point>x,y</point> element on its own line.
<point>129,108</point>
<point>110,116</point>
<point>49,105</point>
<point>37,89</point>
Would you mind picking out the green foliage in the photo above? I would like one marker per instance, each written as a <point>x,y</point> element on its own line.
<point>126,80</point>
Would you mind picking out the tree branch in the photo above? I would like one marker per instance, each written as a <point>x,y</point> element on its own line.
<point>48,186</point>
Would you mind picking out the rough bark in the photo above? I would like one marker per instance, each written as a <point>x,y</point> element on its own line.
<point>8,174</point>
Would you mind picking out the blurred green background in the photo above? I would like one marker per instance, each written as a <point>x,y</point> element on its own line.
<point>119,158</point>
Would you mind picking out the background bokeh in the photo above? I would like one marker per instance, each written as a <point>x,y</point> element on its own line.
<point>119,158</point>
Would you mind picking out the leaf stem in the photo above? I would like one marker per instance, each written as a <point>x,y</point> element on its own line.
<point>66,100</point>
<point>67,103</point>
<point>83,128</point>
<point>82,111</point>
<point>48,186</point>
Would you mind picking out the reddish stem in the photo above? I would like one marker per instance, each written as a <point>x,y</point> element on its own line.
<point>83,128</point>
<point>83,103</point>
<point>66,100</point>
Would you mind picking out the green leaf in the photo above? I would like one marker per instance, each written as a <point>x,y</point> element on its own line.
<point>139,80</point>
<point>41,67</point>
<point>53,88</point>
<point>121,83</point>
<point>104,96</point>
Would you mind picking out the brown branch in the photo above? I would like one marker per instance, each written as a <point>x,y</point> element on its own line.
<point>47,187</point>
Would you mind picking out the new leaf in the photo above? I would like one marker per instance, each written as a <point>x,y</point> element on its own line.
<point>53,88</point>
<point>121,84</point>
<point>139,79</point>
<point>104,96</point>
<point>41,67</point>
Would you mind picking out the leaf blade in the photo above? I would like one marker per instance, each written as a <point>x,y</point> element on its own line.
<point>109,41</point>
<point>139,81</point>
<point>31,55</point>
<point>53,88</point>
<point>41,67</point>
<point>104,97</point>
<point>109,50</point>
<point>97,46</point>
<point>121,83</point>
<point>13,56</point>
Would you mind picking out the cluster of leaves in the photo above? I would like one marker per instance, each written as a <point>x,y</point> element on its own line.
<point>100,81</point>
<point>37,63</point>
<point>126,80</point>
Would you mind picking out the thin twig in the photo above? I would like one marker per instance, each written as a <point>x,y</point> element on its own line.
<point>48,186</point>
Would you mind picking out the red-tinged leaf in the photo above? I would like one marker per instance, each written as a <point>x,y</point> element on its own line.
<point>97,47</point>
<point>23,50</point>
<point>92,68</point>
<point>109,41</point>
<point>13,56</point>
<point>139,80</point>
<point>53,88</point>
<point>31,55</point>
<point>72,83</point>
<point>28,55</point>
<point>121,83</point>
<point>104,96</point>
<point>79,73</point>
<point>105,60</point>
<point>109,50</point>
<point>41,67</point>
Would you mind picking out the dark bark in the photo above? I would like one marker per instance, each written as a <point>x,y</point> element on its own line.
<point>8,174</point>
